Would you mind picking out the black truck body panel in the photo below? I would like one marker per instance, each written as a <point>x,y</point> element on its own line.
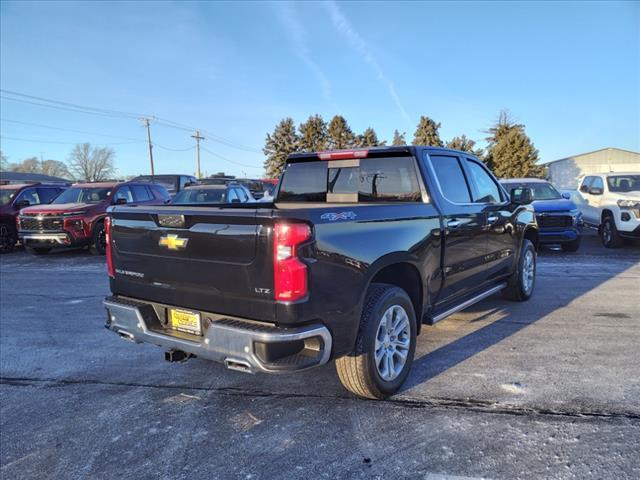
<point>226,266</point>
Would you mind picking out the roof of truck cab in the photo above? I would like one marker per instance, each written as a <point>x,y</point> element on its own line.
<point>380,151</point>
<point>16,186</point>
<point>206,186</point>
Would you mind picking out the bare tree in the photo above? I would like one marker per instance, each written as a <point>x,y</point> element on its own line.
<point>55,168</point>
<point>91,164</point>
<point>28,165</point>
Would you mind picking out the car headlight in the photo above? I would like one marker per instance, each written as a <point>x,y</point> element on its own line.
<point>628,204</point>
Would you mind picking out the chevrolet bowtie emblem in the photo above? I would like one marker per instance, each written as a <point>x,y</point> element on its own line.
<point>173,242</point>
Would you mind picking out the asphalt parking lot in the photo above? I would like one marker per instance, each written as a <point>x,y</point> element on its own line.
<point>545,389</point>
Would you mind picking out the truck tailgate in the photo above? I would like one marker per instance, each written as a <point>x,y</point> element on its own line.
<point>206,258</point>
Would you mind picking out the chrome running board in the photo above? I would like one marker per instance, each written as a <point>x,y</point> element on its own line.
<point>468,303</point>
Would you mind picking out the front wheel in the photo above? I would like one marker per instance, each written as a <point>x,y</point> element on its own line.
<point>386,343</point>
<point>520,285</point>
<point>609,233</point>
<point>8,238</point>
<point>99,241</point>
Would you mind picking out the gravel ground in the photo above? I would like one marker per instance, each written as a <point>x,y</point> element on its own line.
<point>545,389</point>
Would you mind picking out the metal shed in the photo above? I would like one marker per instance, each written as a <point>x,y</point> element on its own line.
<point>566,172</point>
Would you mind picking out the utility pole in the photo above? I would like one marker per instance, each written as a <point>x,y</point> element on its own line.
<point>146,121</point>
<point>198,137</point>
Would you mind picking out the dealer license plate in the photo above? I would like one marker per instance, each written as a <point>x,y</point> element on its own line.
<point>185,321</point>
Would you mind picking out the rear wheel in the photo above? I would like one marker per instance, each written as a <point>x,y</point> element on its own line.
<point>99,241</point>
<point>384,350</point>
<point>8,238</point>
<point>521,283</point>
<point>572,246</point>
<point>609,233</point>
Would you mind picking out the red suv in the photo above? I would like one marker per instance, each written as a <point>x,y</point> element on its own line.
<point>76,217</point>
<point>13,197</point>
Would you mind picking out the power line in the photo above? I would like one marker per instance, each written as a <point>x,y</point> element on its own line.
<point>62,143</point>
<point>230,161</point>
<point>74,107</point>
<point>40,125</point>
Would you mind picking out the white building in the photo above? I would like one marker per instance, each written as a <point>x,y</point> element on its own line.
<point>566,172</point>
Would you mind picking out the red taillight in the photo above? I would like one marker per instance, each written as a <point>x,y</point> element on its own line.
<point>290,274</point>
<point>107,234</point>
<point>343,155</point>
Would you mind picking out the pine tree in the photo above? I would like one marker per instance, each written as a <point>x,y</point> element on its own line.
<point>313,135</point>
<point>398,139</point>
<point>278,145</point>
<point>369,138</point>
<point>427,133</point>
<point>510,152</point>
<point>340,134</point>
<point>464,144</point>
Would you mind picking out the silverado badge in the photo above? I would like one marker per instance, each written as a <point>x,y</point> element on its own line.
<point>173,242</point>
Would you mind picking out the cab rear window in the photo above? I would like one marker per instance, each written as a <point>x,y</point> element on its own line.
<point>389,179</point>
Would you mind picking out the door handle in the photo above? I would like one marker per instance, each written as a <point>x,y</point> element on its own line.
<point>492,219</point>
<point>453,223</point>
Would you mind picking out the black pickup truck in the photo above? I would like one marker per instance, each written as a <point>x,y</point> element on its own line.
<point>358,249</point>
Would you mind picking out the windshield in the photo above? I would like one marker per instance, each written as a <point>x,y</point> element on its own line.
<point>624,183</point>
<point>194,196</point>
<point>6,195</point>
<point>541,190</point>
<point>83,195</point>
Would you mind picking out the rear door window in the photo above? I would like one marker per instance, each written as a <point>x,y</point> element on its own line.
<point>123,192</point>
<point>367,180</point>
<point>486,189</point>
<point>451,178</point>
<point>140,193</point>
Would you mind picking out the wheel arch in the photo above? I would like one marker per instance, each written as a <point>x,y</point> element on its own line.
<point>401,271</point>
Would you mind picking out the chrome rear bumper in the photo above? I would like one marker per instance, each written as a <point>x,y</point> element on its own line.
<point>243,345</point>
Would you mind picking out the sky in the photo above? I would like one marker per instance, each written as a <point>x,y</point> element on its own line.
<point>569,71</point>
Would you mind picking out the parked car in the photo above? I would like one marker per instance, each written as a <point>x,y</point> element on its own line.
<point>610,202</point>
<point>76,217</point>
<point>559,220</point>
<point>13,197</point>
<point>173,183</point>
<point>359,248</point>
<point>211,194</point>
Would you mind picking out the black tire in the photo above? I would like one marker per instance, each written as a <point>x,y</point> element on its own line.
<point>572,246</point>
<point>39,250</point>
<point>8,238</point>
<point>609,233</point>
<point>358,371</point>
<point>98,241</point>
<point>517,288</point>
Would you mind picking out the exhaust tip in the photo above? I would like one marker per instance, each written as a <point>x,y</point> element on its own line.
<point>238,365</point>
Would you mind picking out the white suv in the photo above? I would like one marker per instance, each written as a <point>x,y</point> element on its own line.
<point>611,203</point>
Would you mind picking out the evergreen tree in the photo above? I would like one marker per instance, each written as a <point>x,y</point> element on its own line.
<point>464,144</point>
<point>340,134</point>
<point>398,139</point>
<point>313,135</point>
<point>369,138</point>
<point>427,133</point>
<point>278,145</point>
<point>511,153</point>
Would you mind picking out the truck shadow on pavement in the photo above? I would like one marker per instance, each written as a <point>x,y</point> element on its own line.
<point>557,285</point>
